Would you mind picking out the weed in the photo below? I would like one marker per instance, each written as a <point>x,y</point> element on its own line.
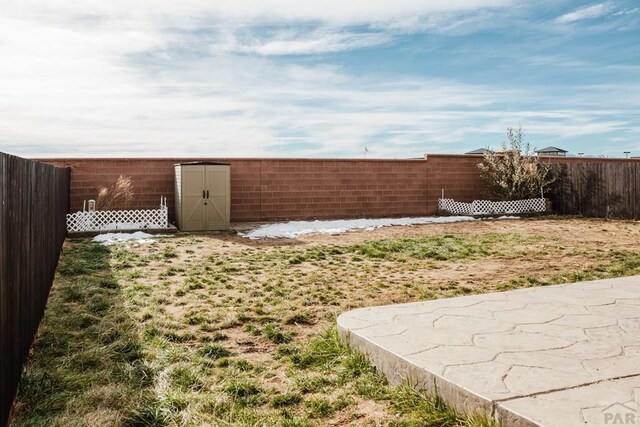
<point>252,329</point>
<point>300,318</point>
<point>243,365</point>
<point>169,252</point>
<point>286,399</point>
<point>275,334</point>
<point>318,407</point>
<point>185,379</point>
<point>217,336</point>
<point>245,392</point>
<point>356,364</point>
<point>323,351</point>
<point>424,408</point>
<point>214,351</point>
<point>372,386</point>
<point>172,271</point>
<point>313,384</point>
<point>196,319</point>
<point>151,415</point>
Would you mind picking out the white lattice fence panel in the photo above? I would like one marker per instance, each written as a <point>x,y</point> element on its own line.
<point>451,206</point>
<point>521,206</point>
<point>118,220</point>
<point>480,207</point>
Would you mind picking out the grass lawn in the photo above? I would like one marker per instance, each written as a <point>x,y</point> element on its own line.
<point>217,330</point>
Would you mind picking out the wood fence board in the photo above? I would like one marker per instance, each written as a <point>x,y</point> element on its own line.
<point>34,200</point>
<point>597,189</point>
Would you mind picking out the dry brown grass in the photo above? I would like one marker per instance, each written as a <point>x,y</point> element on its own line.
<point>214,329</point>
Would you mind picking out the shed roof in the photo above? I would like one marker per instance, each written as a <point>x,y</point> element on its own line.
<point>203,163</point>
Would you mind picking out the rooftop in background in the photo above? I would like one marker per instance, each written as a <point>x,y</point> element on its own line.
<point>552,151</point>
<point>479,151</point>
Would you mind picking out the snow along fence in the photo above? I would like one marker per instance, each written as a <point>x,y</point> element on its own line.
<point>487,207</point>
<point>137,219</point>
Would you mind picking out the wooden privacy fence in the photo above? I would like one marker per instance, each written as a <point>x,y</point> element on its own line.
<point>598,189</point>
<point>34,199</point>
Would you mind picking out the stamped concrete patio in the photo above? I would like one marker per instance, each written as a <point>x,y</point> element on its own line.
<point>566,355</point>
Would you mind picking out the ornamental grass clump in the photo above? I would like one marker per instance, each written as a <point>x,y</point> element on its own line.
<point>117,196</point>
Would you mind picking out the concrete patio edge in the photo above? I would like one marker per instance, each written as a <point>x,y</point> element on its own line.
<point>525,356</point>
<point>399,370</point>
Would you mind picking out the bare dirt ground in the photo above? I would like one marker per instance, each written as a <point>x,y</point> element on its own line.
<point>610,234</point>
<point>542,249</point>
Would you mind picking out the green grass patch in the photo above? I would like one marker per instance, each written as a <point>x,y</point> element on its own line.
<point>286,399</point>
<point>441,248</point>
<point>300,318</point>
<point>276,334</point>
<point>87,356</point>
<point>214,351</point>
<point>619,264</point>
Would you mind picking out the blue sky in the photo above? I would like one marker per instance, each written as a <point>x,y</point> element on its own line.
<point>291,78</point>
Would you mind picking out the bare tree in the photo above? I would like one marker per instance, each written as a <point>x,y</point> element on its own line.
<point>514,173</point>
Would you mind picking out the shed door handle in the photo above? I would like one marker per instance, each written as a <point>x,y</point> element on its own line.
<point>207,194</point>
<point>203,194</point>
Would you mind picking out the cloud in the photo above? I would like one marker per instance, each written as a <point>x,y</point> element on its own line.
<point>299,42</point>
<point>627,11</point>
<point>557,61</point>
<point>249,12</point>
<point>247,78</point>
<point>586,12</point>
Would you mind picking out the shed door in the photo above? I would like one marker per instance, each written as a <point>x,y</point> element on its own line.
<point>217,207</point>
<point>193,208</point>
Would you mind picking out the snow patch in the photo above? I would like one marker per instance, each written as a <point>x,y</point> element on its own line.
<point>130,226</point>
<point>293,229</point>
<point>111,238</point>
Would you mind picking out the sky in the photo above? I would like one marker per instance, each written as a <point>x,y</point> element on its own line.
<point>332,78</point>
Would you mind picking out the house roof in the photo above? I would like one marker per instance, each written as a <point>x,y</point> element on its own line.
<point>551,149</point>
<point>478,151</point>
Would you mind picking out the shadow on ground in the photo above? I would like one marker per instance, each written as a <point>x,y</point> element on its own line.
<point>87,352</point>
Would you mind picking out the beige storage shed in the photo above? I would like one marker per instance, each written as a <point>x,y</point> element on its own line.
<point>203,197</point>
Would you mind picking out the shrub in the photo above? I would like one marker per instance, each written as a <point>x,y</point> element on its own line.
<point>515,173</point>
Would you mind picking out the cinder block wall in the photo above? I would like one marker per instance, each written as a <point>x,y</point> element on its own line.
<point>278,189</point>
<point>457,175</point>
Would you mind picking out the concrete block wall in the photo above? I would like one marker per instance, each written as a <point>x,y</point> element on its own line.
<point>285,189</point>
<point>456,175</point>
<point>282,189</point>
